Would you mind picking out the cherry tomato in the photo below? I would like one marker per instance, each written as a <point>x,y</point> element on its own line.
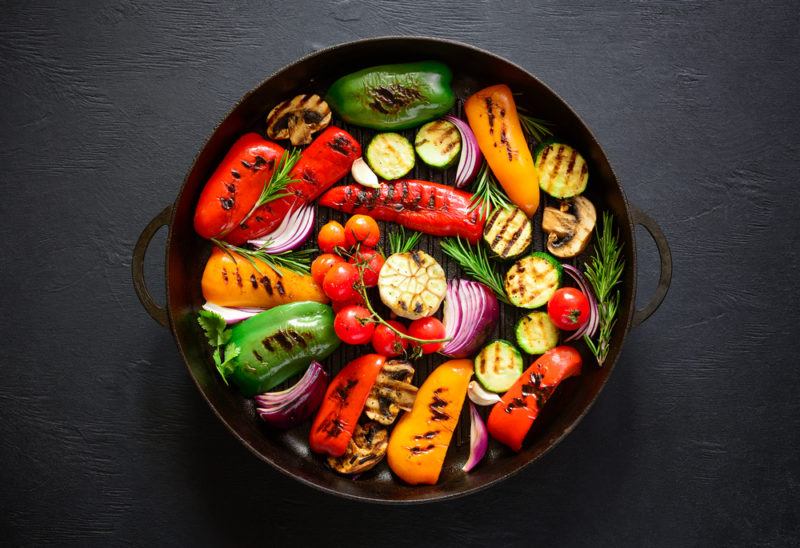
<point>362,229</point>
<point>353,324</point>
<point>339,283</point>
<point>322,264</point>
<point>427,328</point>
<point>388,343</point>
<point>331,236</point>
<point>338,305</point>
<point>371,261</point>
<point>568,308</point>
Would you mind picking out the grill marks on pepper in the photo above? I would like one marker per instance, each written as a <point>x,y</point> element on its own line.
<point>533,389</point>
<point>267,284</point>
<point>392,98</point>
<point>341,144</point>
<point>437,404</point>
<point>490,113</point>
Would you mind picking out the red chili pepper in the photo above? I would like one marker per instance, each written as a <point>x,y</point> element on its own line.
<point>235,185</point>
<point>513,415</point>
<point>435,209</point>
<point>321,165</point>
<point>338,415</point>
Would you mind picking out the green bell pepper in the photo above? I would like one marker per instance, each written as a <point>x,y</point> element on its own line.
<point>279,343</point>
<point>392,97</point>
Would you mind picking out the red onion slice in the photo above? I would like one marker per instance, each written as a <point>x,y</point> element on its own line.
<point>292,406</point>
<point>478,439</point>
<point>293,231</point>
<point>590,327</point>
<point>470,160</point>
<point>471,312</point>
<point>232,315</point>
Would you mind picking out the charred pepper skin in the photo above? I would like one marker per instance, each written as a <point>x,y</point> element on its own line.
<point>393,97</point>
<point>326,160</point>
<point>280,343</point>
<point>343,403</point>
<point>235,185</point>
<point>431,208</point>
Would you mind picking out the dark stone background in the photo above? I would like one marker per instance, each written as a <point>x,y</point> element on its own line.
<point>103,437</point>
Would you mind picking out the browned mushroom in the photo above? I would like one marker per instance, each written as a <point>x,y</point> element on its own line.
<point>391,392</point>
<point>367,448</point>
<point>297,119</point>
<point>569,227</point>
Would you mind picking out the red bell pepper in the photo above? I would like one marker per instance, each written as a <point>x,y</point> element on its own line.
<point>327,160</point>
<point>432,208</point>
<point>512,417</point>
<point>235,185</point>
<point>344,400</point>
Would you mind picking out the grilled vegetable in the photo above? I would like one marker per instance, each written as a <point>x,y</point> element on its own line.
<point>390,156</point>
<point>563,172</point>
<point>536,333</point>
<point>393,97</point>
<point>323,163</point>
<point>435,209</point>
<point>391,393</point>
<point>277,344</point>
<point>438,144</point>
<point>233,280</point>
<point>296,119</point>
<point>412,284</point>
<point>532,280</point>
<point>492,115</point>
<point>366,448</point>
<point>569,227</point>
<point>512,417</point>
<point>498,366</point>
<point>418,444</point>
<point>338,415</point>
<point>471,313</point>
<point>235,185</point>
<point>508,232</point>
<point>288,408</point>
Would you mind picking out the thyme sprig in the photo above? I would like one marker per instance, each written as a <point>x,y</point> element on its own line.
<point>401,242</point>
<point>486,193</point>
<point>475,262</point>
<point>604,271</point>
<point>298,262</point>
<point>275,186</point>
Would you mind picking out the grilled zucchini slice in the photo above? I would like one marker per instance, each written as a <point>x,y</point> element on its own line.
<point>532,280</point>
<point>498,366</point>
<point>438,143</point>
<point>412,284</point>
<point>536,333</point>
<point>563,172</point>
<point>390,155</point>
<point>508,232</point>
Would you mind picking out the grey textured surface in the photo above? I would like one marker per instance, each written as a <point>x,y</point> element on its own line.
<point>103,438</point>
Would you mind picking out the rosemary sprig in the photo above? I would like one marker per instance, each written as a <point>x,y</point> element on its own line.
<point>536,128</point>
<point>486,193</point>
<point>275,186</point>
<point>298,262</point>
<point>604,270</point>
<point>475,262</point>
<point>400,242</point>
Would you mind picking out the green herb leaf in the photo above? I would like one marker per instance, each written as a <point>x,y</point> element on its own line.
<point>298,262</point>
<point>400,242</point>
<point>486,193</point>
<point>226,367</point>
<point>218,335</point>
<point>536,128</point>
<point>475,262</point>
<point>275,186</point>
<point>604,271</point>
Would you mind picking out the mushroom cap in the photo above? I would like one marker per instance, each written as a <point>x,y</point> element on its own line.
<point>569,227</point>
<point>367,448</point>
<point>391,393</point>
<point>298,118</point>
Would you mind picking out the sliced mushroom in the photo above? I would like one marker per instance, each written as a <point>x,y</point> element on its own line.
<point>296,119</point>
<point>569,227</point>
<point>367,448</point>
<point>391,392</point>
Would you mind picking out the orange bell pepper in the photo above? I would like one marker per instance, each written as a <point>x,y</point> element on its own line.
<point>231,280</point>
<point>512,417</point>
<point>419,442</point>
<point>344,400</point>
<point>492,116</point>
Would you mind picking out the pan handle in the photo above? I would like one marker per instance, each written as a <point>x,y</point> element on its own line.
<point>158,313</point>
<point>665,278</point>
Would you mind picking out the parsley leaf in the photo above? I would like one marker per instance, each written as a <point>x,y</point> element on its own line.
<point>215,329</point>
